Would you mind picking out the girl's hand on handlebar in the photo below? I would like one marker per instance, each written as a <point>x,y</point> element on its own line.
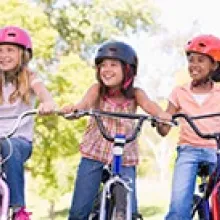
<point>164,116</point>
<point>164,123</point>
<point>163,128</point>
<point>47,108</point>
<point>68,110</point>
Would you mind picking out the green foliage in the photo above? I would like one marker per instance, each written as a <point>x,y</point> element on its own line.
<point>56,153</point>
<point>94,22</point>
<point>72,79</point>
<point>151,211</point>
<point>66,74</point>
<point>27,15</point>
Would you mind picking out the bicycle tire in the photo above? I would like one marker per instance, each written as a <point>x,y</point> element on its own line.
<point>201,206</point>
<point>117,204</point>
<point>110,205</point>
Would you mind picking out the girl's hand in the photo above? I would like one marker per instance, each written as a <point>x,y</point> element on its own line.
<point>47,108</point>
<point>68,109</point>
<point>164,116</point>
<point>163,128</point>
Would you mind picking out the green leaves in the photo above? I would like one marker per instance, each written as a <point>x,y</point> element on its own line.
<point>94,22</point>
<point>31,17</point>
<point>67,71</point>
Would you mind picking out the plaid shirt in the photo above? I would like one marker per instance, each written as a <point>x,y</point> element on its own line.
<point>94,146</point>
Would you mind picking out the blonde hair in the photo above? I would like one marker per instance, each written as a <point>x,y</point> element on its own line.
<point>21,81</point>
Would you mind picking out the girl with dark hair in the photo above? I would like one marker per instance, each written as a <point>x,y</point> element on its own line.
<point>116,64</point>
<point>199,96</point>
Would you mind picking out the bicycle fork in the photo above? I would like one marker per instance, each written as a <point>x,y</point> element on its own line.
<point>107,194</point>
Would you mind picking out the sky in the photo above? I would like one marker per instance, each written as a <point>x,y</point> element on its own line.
<point>159,64</point>
<point>179,15</point>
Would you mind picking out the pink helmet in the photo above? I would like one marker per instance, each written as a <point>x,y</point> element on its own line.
<point>17,36</point>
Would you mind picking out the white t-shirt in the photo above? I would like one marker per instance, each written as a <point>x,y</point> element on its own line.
<point>7,109</point>
<point>200,98</point>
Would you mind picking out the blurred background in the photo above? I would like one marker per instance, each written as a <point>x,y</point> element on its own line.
<point>66,34</point>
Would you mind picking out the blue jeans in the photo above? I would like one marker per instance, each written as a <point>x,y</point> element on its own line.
<point>14,168</point>
<point>87,186</point>
<point>184,179</point>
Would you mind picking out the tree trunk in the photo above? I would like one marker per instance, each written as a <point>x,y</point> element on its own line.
<point>52,211</point>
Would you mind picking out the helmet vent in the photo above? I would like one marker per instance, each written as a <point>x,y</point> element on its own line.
<point>113,49</point>
<point>11,34</point>
<point>202,45</point>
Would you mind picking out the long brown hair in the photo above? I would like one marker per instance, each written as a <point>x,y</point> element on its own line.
<point>20,78</point>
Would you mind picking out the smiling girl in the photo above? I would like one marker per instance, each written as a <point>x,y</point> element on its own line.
<point>18,88</point>
<point>116,67</point>
<point>200,96</point>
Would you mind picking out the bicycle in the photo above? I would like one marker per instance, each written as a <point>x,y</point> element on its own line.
<point>207,206</point>
<point>116,192</point>
<point>4,189</point>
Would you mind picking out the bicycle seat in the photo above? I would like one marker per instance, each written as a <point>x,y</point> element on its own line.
<point>203,169</point>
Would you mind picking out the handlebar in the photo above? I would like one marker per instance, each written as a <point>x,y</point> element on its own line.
<point>189,120</point>
<point>17,122</point>
<point>18,119</point>
<point>98,114</point>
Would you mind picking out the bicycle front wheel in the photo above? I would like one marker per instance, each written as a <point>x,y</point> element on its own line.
<point>116,206</point>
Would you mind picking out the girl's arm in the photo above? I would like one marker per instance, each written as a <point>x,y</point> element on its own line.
<point>149,106</point>
<point>88,101</point>
<point>47,104</point>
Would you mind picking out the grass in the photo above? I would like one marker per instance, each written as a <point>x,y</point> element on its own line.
<point>152,195</point>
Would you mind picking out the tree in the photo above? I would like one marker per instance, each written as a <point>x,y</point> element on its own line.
<point>31,17</point>
<point>85,23</point>
<point>63,39</point>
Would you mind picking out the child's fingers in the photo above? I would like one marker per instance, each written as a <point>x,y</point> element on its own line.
<point>67,109</point>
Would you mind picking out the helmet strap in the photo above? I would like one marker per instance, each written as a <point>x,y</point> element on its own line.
<point>127,83</point>
<point>128,78</point>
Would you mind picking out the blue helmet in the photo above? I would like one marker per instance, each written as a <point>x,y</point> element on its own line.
<point>117,50</point>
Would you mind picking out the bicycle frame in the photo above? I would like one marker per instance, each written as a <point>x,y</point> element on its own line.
<point>214,180</point>
<point>119,142</point>
<point>118,148</point>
